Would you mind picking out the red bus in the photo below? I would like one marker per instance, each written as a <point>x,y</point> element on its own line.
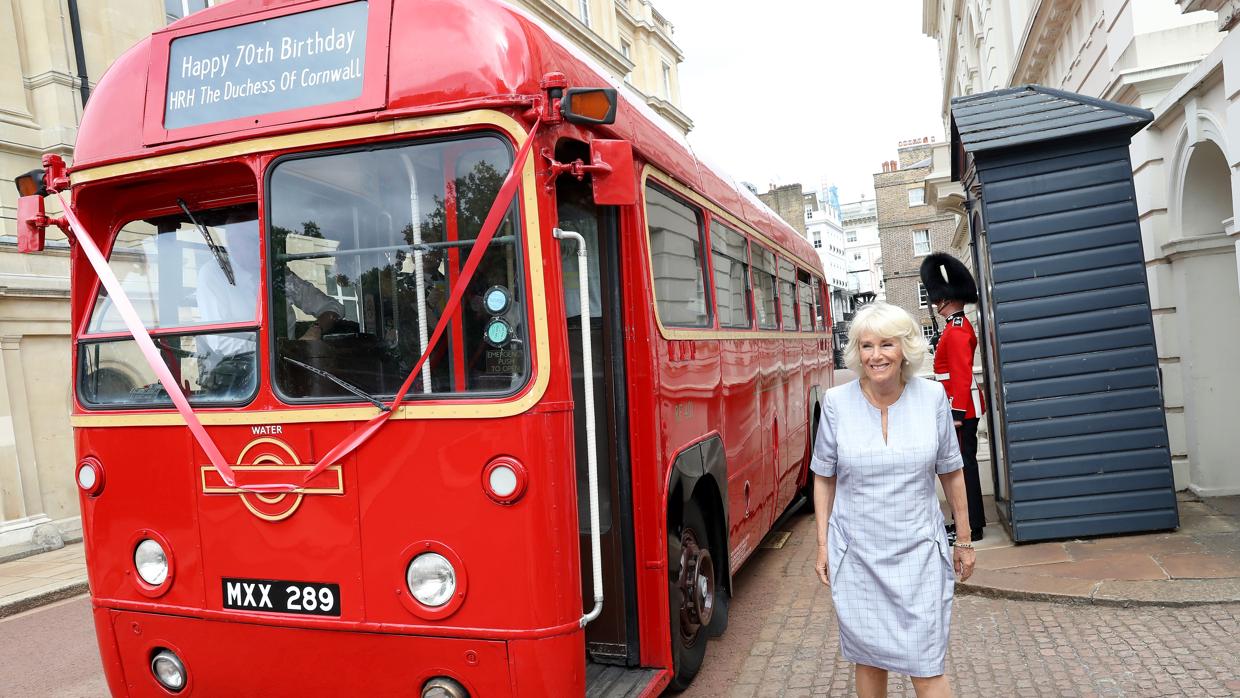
<point>348,419</point>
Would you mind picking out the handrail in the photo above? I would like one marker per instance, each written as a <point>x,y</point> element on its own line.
<point>587,370</point>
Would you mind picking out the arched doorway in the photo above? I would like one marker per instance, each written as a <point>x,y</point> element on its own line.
<point>1203,264</point>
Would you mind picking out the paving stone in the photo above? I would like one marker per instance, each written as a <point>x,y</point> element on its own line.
<point>1132,566</point>
<point>1022,555</point>
<point>1027,585</point>
<point>1200,565</point>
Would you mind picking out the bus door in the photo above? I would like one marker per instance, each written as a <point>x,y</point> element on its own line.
<point>612,637</point>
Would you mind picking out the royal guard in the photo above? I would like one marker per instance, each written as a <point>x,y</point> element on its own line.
<point>949,285</point>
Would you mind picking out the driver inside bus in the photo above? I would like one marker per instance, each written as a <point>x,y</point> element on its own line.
<point>221,301</point>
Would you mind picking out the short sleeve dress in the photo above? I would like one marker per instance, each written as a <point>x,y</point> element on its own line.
<point>890,564</point>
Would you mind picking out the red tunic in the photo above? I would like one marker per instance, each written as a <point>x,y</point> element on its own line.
<point>953,367</point>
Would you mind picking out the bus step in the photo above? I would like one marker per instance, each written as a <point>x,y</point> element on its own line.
<point>604,681</point>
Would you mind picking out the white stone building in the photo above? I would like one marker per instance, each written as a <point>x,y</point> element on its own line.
<point>826,234</point>
<point>1181,60</point>
<point>863,253</point>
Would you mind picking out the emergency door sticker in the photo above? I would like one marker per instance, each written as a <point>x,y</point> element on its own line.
<point>265,460</point>
<point>290,62</point>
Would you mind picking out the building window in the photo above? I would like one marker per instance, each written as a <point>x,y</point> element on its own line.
<point>676,250</point>
<point>176,9</point>
<point>818,240</point>
<point>667,82</point>
<point>583,9</point>
<point>921,242</point>
<point>922,299</point>
<point>851,236</point>
<point>626,49</point>
<point>927,332</point>
<point>856,256</point>
<point>917,196</point>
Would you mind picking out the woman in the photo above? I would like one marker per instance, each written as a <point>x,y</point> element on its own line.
<point>881,544</point>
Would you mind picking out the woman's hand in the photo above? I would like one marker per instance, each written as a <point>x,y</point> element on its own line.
<point>821,566</point>
<point>964,559</point>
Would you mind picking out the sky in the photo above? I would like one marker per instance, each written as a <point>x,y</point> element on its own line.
<point>787,91</point>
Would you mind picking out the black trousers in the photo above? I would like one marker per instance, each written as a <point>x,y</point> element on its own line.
<point>966,434</point>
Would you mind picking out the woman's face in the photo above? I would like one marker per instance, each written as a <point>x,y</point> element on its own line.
<point>881,357</point>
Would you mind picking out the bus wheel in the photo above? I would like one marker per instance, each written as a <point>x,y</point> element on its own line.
<point>692,594</point>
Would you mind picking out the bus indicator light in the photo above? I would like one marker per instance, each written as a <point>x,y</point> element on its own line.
<point>589,105</point>
<point>90,476</point>
<point>504,480</point>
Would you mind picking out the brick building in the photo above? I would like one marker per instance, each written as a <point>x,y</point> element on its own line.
<point>791,203</point>
<point>909,229</point>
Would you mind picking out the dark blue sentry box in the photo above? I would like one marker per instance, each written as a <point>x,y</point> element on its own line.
<point>289,62</point>
<point>1079,442</point>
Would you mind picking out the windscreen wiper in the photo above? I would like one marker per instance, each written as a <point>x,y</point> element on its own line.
<point>340,382</point>
<point>221,257</point>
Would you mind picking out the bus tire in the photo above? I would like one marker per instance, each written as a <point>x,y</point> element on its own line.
<point>693,594</point>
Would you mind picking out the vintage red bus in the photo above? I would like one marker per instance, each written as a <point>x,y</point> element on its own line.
<point>391,373</point>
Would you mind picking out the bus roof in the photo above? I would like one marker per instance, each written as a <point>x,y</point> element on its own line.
<point>440,53</point>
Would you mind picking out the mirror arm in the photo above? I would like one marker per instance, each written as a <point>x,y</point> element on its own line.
<point>577,168</point>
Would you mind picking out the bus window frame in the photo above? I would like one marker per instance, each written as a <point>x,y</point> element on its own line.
<point>780,261</point>
<point>704,260</point>
<point>83,328</point>
<point>712,220</point>
<point>754,236</point>
<point>802,324</point>
<point>83,337</point>
<point>112,338</point>
<point>412,398</point>
<point>778,326</point>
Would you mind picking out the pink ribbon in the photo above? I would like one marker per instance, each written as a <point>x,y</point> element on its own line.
<point>134,324</point>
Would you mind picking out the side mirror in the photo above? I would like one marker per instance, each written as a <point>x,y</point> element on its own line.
<point>615,182</point>
<point>31,223</point>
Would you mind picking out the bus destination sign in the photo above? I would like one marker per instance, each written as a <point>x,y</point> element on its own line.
<point>289,62</point>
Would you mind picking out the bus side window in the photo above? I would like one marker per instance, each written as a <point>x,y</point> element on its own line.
<point>765,303</point>
<point>676,252</point>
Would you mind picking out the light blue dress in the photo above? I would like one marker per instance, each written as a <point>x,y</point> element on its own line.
<point>889,561</point>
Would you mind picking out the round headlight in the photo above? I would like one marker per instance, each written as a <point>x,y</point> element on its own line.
<point>443,687</point>
<point>151,561</point>
<point>431,579</point>
<point>168,670</point>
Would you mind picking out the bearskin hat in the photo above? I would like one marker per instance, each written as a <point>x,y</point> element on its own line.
<point>947,279</point>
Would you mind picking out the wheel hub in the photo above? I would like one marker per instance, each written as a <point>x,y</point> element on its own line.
<point>697,586</point>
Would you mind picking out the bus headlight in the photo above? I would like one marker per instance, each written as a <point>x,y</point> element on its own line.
<point>169,671</point>
<point>444,687</point>
<point>151,562</point>
<point>431,579</point>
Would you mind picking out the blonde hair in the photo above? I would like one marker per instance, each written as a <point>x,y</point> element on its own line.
<point>886,321</point>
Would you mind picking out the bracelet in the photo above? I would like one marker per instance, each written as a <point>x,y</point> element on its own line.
<point>966,546</point>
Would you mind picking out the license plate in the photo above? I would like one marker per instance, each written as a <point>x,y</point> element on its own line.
<point>277,596</point>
